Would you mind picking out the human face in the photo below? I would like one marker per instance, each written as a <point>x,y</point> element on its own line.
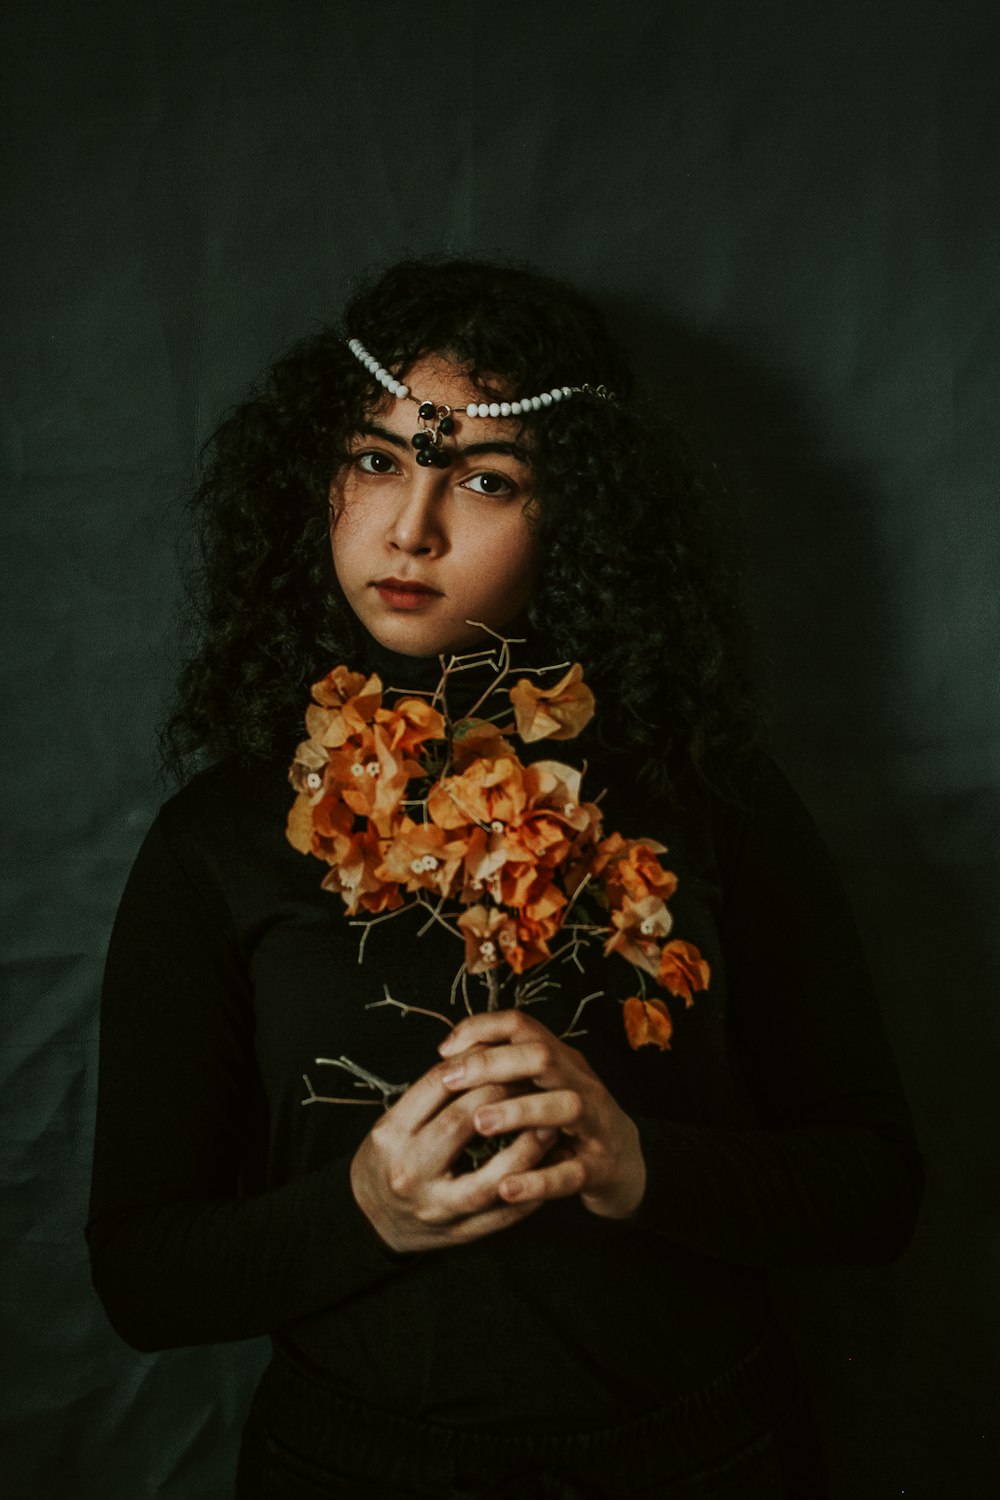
<point>464,532</point>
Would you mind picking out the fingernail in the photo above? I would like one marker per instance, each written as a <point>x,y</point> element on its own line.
<point>448,1044</point>
<point>486,1119</point>
<point>545,1134</point>
<point>454,1075</point>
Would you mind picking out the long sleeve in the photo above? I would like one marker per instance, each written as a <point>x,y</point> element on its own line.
<point>181,1251</point>
<point>832,1173</point>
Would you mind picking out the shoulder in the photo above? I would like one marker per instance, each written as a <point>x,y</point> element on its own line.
<point>224,799</point>
<point>225,829</point>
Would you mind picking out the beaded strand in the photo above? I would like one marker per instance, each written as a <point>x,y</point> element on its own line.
<point>475,408</point>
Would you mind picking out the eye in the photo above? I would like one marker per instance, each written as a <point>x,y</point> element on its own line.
<point>490,483</point>
<point>375,462</point>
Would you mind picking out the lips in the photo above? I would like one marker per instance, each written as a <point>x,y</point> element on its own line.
<point>405,593</point>
<point>404,586</point>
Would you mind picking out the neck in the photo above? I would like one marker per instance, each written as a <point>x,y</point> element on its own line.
<point>424,672</point>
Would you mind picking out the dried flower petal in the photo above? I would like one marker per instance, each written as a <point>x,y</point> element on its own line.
<point>409,724</point>
<point>639,927</point>
<point>682,969</point>
<point>478,739</point>
<point>647,1023</point>
<point>555,713</point>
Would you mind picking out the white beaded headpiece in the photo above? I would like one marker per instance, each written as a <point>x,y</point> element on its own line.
<point>437,420</point>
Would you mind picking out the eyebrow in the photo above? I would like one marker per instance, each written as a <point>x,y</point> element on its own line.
<point>512,450</point>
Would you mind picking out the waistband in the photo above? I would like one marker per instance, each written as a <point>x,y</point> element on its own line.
<point>691,1434</point>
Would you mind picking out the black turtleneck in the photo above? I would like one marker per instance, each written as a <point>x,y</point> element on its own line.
<point>775,1130</point>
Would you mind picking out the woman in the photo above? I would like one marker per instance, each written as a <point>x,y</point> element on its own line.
<point>585,1312</point>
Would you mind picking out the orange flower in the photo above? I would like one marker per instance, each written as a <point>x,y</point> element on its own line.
<point>306,772</point>
<point>477,738</point>
<point>493,936</point>
<point>647,1023</point>
<point>409,723</point>
<point>356,879</point>
<point>421,856</point>
<point>682,969</point>
<point>337,686</point>
<point>630,867</point>
<point>555,713</point>
<point>370,778</point>
<point>639,925</point>
<point>339,717</point>
<point>485,855</point>
<point>333,824</point>
<point>482,927</point>
<point>556,787</point>
<point>487,791</point>
<point>527,948</point>
<point>299,827</point>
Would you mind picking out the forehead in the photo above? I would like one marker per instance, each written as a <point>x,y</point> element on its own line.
<point>439,380</point>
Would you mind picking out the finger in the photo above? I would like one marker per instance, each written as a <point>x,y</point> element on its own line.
<point>561,1180</point>
<point>476,1226</point>
<point>560,1108</point>
<point>494,1026</point>
<point>475,1192</point>
<point>438,1142</point>
<point>420,1103</point>
<point>538,1061</point>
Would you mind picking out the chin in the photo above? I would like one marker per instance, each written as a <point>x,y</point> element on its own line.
<point>410,638</point>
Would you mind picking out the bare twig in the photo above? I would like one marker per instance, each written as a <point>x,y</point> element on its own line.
<point>417,1010</point>
<point>387,1090</point>
<point>315,1098</point>
<point>595,995</point>
<point>368,923</point>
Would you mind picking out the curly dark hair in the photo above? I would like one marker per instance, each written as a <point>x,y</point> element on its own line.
<point>635,581</point>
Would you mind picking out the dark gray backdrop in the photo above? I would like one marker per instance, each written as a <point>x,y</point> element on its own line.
<point>791,208</point>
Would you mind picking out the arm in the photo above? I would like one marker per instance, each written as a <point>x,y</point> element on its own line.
<point>831,1174</point>
<point>181,1252</point>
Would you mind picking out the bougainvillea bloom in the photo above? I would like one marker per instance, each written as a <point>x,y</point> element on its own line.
<point>405,806</point>
<point>647,1023</point>
<point>555,713</point>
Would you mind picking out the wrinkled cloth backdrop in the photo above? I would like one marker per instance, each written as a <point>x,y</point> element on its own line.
<point>792,209</point>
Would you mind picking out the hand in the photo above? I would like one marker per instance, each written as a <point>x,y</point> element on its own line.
<point>600,1155</point>
<point>402,1176</point>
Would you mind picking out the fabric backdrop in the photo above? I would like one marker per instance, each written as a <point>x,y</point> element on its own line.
<point>791,209</point>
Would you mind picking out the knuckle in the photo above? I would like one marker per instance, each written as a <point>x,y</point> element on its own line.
<point>574,1106</point>
<point>430,1215</point>
<point>577,1173</point>
<point>541,1057</point>
<point>401,1181</point>
<point>451,1123</point>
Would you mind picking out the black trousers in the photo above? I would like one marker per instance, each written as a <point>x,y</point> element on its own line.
<point>747,1435</point>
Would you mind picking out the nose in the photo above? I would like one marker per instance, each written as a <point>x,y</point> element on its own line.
<point>417,525</point>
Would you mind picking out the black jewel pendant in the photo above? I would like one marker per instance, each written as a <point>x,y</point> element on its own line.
<point>426,411</point>
<point>446,425</point>
<point>421,440</point>
<point>425,457</point>
<point>441,458</point>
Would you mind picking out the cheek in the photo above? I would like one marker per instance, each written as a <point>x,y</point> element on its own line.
<point>514,564</point>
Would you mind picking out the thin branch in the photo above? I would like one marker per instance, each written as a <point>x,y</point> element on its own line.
<point>315,1098</point>
<point>417,1010</point>
<point>595,995</point>
<point>369,922</point>
<point>387,1090</point>
<point>435,916</point>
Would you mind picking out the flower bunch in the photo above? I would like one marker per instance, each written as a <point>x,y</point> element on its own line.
<point>406,805</point>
